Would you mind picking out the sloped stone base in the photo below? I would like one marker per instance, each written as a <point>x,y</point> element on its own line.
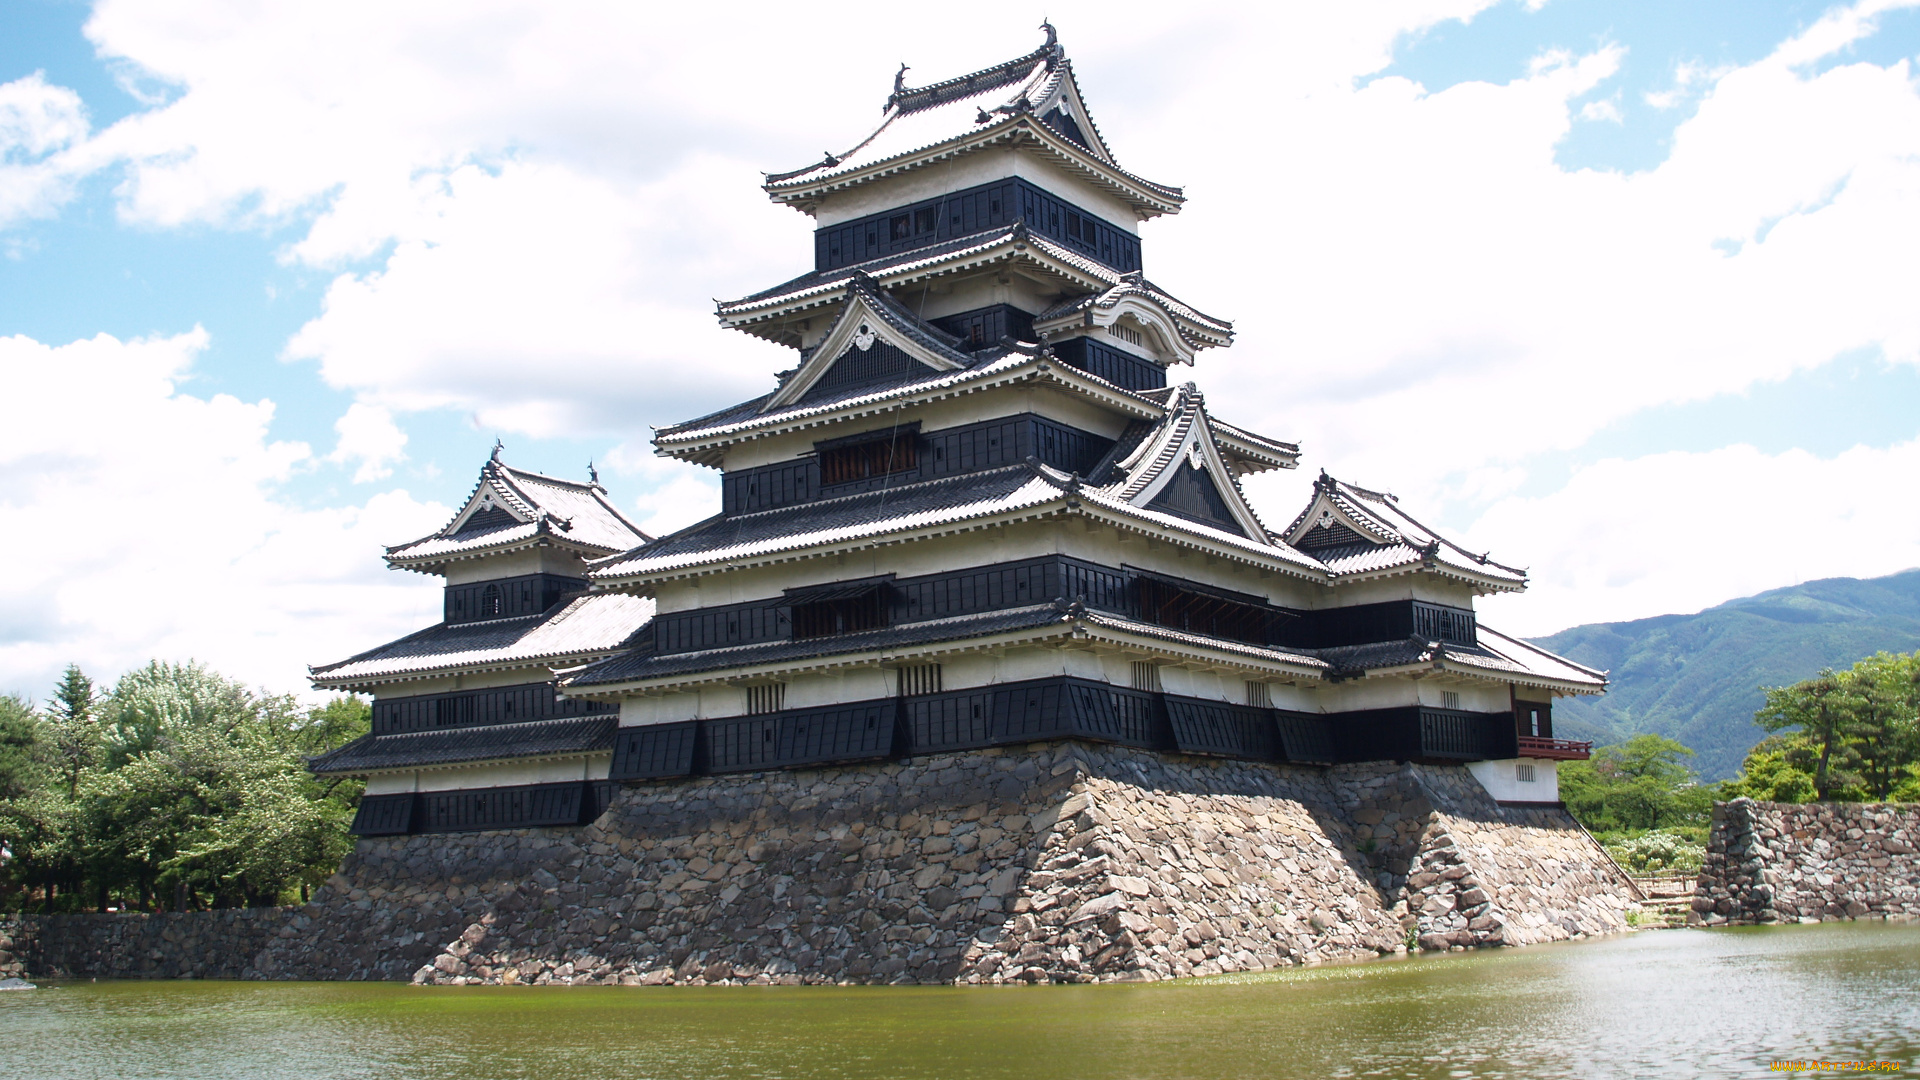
<point>1054,863</point>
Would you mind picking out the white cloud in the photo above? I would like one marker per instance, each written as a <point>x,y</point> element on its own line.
<point>1678,532</point>
<point>36,121</point>
<point>143,522</point>
<point>369,436</point>
<point>529,208</point>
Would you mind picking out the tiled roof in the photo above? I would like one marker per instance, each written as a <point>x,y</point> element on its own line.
<point>995,245</point>
<point>634,667</point>
<point>452,746</point>
<point>830,521</point>
<point>1385,537</point>
<point>1134,285</point>
<point>510,506</point>
<point>1496,656</point>
<point>587,626</point>
<point>1006,100</point>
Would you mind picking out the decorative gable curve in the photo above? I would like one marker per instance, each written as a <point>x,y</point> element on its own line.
<point>1136,313</point>
<point>1160,472</point>
<point>867,320</point>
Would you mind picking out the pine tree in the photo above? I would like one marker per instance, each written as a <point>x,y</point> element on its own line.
<point>75,727</point>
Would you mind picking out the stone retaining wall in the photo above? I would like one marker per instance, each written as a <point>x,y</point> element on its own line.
<point>1063,863</point>
<point>1784,862</point>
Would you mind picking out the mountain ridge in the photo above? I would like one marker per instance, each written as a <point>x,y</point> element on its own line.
<point>1697,677</point>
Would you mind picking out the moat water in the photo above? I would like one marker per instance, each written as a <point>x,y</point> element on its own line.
<point>1680,1003</point>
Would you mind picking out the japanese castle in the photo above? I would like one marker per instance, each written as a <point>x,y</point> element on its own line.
<point>980,509</point>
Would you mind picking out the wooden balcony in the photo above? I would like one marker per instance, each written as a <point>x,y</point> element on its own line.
<point>1558,749</point>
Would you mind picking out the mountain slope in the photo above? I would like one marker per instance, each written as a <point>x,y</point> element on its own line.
<point>1696,678</point>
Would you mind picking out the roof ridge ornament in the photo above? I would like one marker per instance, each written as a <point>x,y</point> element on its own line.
<point>497,447</point>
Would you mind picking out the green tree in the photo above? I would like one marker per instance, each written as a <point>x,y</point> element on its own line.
<point>72,729</point>
<point>1824,709</point>
<point>1778,769</point>
<point>1885,734</point>
<point>1643,783</point>
<point>20,748</point>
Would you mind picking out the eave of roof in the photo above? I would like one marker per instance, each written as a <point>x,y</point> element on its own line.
<point>699,444</point>
<point>550,740</point>
<point>1020,130</point>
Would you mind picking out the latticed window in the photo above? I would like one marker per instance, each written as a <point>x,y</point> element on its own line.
<point>1523,773</point>
<point>919,679</point>
<point>1259,695</point>
<point>1146,675</point>
<point>490,600</point>
<point>866,460</point>
<point>766,698</point>
<point>1449,699</point>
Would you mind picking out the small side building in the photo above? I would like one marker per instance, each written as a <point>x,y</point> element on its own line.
<point>469,731</point>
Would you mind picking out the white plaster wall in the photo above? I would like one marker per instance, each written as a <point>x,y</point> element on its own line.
<point>478,680</point>
<point>515,564</point>
<point>1502,781</point>
<point>972,170</point>
<point>517,773</point>
<point>1476,695</point>
<point>393,783</point>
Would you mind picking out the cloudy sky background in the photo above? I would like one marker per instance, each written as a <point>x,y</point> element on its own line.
<point>1625,293</point>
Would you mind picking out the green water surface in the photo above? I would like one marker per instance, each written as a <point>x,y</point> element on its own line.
<point>1680,1003</point>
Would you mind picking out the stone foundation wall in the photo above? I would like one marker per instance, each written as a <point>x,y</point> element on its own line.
<point>1782,862</point>
<point>1059,863</point>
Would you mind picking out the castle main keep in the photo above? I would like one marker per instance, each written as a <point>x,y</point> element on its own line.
<point>985,618</point>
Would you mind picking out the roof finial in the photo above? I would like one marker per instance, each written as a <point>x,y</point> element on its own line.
<point>900,80</point>
<point>593,474</point>
<point>1053,38</point>
<point>497,447</point>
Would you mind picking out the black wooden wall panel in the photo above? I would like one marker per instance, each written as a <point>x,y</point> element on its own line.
<point>383,815</point>
<point>989,444</point>
<point>529,594</point>
<point>983,328</point>
<point>977,209</point>
<point>860,731</point>
<point>656,751</point>
<point>1192,494</point>
<point>1306,737</point>
<point>857,367</point>
<point>467,708</point>
<point>1223,729</point>
<point>519,807</point>
<point>1103,361</point>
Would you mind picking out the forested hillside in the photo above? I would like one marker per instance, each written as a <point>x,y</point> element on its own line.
<point>1697,678</point>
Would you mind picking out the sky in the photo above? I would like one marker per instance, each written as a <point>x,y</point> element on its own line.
<point>1622,293</point>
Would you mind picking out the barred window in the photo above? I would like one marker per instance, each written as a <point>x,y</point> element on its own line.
<point>766,698</point>
<point>919,679</point>
<point>490,600</point>
<point>1259,695</point>
<point>1146,675</point>
<point>1523,773</point>
<point>866,460</point>
<point>1449,699</point>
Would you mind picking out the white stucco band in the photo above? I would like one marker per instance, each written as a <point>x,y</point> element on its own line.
<point>1507,781</point>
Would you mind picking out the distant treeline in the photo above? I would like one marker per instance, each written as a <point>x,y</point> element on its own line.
<point>177,789</point>
<point>1841,736</point>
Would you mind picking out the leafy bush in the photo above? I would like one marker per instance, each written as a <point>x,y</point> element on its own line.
<point>1658,850</point>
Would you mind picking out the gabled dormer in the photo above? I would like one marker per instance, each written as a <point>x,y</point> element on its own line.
<point>519,544</point>
<point>1361,533</point>
<point>1177,468</point>
<point>872,342</point>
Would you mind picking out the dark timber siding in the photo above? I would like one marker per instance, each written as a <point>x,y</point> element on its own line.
<point>984,327</point>
<point>508,597</point>
<point>574,802</point>
<point>499,705</point>
<point>988,444</point>
<point>974,210</point>
<point>1394,620</point>
<point>1103,361</point>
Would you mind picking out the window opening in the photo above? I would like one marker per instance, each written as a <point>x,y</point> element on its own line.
<point>1183,609</point>
<point>766,698</point>
<point>840,616</point>
<point>1259,695</point>
<point>1146,676</point>
<point>863,461</point>
<point>919,679</point>
<point>1449,699</point>
<point>1523,773</point>
<point>490,600</point>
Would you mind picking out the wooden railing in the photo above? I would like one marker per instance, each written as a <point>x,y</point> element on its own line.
<point>1563,749</point>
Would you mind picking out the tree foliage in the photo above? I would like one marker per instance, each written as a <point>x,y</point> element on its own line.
<point>178,784</point>
<point>1644,783</point>
<point>1845,736</point>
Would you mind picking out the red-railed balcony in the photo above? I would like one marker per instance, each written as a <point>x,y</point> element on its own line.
<point>1560,749</point>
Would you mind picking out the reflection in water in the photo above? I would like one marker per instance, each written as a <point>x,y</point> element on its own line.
<point>1673,1003</point>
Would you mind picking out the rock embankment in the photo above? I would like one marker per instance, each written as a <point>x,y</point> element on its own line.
<point>1813,862</point>
<point>1061,862</point>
